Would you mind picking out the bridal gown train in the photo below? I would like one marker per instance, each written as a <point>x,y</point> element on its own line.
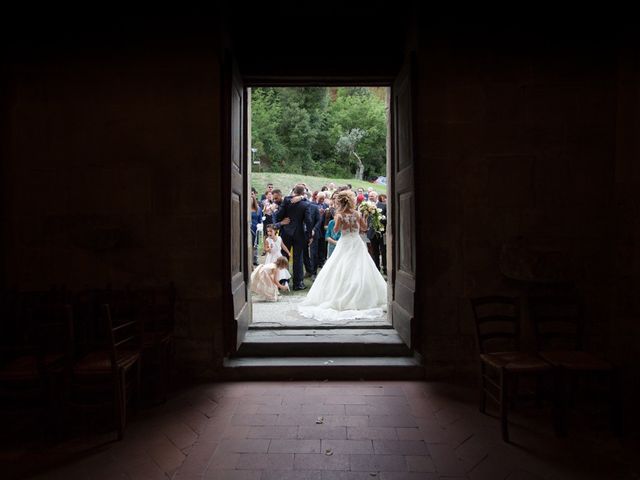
<point>349,286</point>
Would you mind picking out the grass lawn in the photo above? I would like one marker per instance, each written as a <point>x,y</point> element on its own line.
<point>285,181</point>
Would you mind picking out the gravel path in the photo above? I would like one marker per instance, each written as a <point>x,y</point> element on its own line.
<point>284,313</point>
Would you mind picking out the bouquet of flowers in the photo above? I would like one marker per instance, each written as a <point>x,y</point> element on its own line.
<point>374,215</point>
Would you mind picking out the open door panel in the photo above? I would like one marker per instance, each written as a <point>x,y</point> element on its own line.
<point>235,160</point>
<point>402,207</point>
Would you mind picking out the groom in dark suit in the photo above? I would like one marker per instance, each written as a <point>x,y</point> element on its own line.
<point>298,231</point>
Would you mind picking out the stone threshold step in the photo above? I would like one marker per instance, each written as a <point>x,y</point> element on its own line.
<point>377,335</point>
<point>320,368</point>
<point>333,342</point>
<point>328,326</point>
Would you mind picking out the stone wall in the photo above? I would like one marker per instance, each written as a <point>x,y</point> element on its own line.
<point>624,329</point>
<point>516,139</point>
<point>114,175</point>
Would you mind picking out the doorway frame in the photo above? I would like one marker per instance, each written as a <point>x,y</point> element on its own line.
<point>387,81</point>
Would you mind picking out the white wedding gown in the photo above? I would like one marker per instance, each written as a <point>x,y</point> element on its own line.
<point>349,286</point>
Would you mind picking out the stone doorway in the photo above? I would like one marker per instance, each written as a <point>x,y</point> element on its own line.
<point>278,334</point>
<point>279,321</point>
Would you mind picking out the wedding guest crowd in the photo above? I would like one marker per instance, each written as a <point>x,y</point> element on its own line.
<point>302,224</point>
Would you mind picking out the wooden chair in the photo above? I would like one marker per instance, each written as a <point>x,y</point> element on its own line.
<point>108,373</point>
<point>157,311</point>
<point>559,327</point>
<point>497,320</point>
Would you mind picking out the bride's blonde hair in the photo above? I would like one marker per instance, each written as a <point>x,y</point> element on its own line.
<point>345,199</point>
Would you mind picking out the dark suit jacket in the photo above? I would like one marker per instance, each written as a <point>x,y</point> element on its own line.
<point>300,214</point>
<point>317,217</point>
<point>371,232</point>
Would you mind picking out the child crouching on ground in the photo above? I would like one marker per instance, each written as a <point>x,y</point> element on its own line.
<point>265,282</point>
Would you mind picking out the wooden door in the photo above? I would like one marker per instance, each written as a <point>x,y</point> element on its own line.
<point>402,208</point>
<point>237,208</point>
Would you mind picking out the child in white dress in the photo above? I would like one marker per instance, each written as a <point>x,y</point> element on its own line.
<point>264,279</point>
<point>273,246</point>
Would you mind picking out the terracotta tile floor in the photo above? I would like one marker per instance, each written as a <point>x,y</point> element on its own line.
<point>342,431</point>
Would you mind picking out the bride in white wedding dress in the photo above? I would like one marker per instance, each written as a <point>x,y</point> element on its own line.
<point>349,286</point>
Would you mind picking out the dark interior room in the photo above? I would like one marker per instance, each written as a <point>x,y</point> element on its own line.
<point>513,242</point>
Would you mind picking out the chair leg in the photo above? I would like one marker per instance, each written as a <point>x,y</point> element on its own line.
<point>118,406</point>
<point>483,393</point>
<point>138,385</point>
<point>171,364</point>
<point>165,370</point>
<point>125,396</point>
<point>504,405</point>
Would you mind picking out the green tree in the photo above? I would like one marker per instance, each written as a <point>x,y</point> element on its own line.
<point>301,126</point>
<point>358,108</point>
<point>266,115</point>
<point>297,130</point>
<point>348,143</point>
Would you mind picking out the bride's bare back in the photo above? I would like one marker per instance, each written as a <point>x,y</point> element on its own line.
<point>350,221</point>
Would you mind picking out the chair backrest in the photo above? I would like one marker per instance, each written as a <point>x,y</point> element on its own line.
<point>558,322</point>
<point>497,320</point>
<point>123,334</point>
<point>121,316</point>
